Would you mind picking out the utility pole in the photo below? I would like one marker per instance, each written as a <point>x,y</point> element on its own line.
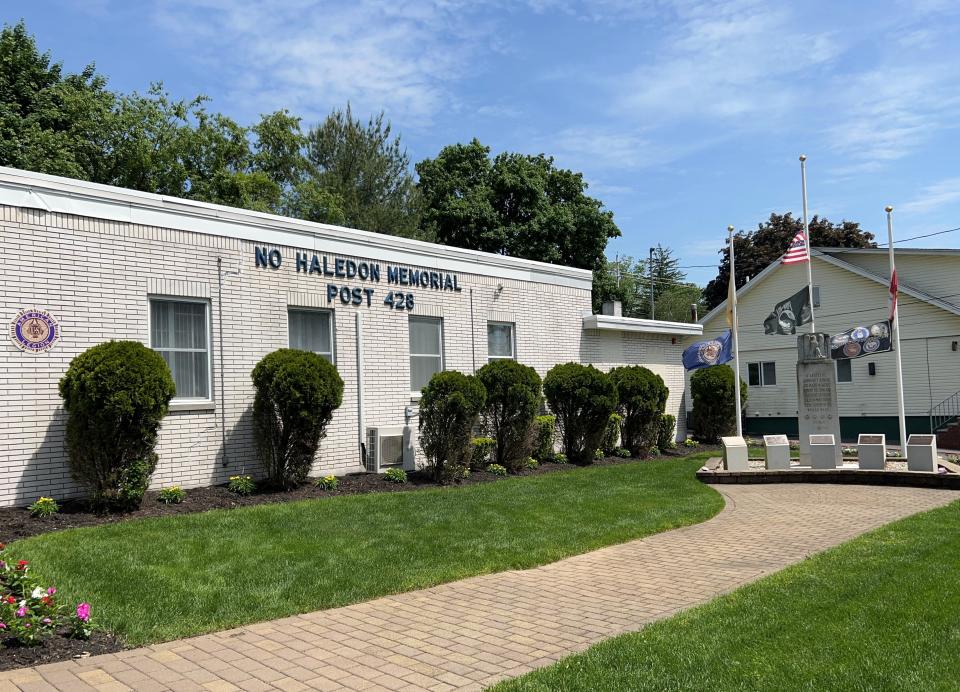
<point>653,314</point>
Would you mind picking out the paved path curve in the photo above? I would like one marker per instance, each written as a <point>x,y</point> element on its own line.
<point>471,633</point>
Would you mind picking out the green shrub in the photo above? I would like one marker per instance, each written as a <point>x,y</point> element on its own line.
<point>482,448</point>
<point>690,442</point>
<point>622,452</point>
<point>513,399</point>
<point>327,483</point>
<point>611,436</point>
<point>653,452</point>
<point>712,392</point>
<point>44,507</point>
<point>116,395</point>
<point>450,406</point>
<point>241,485</point>
<point>642,397</point>
<point>582,398</point>
<point>546,428</point>
<point>497,469</point>
<point>395,475</point>
<point>296,395</point>
<point>666,435</point>
<point>531,464</point>
<point>598,454</point>
<point>173,495</point>
<point>560,458</point>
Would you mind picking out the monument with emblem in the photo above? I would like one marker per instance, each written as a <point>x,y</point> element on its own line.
<point>818,413</point>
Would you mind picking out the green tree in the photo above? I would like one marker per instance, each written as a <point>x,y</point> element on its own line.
<point>629,282</point>
<point>367,170</point>
<point>50,121</point>
<point>758,248</point>
<point>515,204</point>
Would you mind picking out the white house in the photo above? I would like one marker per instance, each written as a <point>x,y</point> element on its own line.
<point>851,289</point>
<point>214,289</point>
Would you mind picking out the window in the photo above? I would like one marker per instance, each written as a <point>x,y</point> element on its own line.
<point>762,374</point>
<point>500,341</point>
<point>311,330</point>
<point>426,350</point>
<point>179,333</point>
<point>816,296</point>
<point>844,370</point>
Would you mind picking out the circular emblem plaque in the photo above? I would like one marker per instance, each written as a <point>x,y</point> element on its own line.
<point>871,344</point>
<point>852,349</point>
<point>34,331</point>
<point>860,334</point>
<point>709,351</point>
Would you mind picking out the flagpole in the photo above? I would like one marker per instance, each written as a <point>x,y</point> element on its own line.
<point>806,233</point>
<point>732,296</point>
<point>896,337</point>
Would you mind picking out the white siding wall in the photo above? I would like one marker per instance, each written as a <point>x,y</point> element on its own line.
<point>846,301</point>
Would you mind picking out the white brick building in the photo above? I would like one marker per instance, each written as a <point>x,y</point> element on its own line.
<point>214,289</point>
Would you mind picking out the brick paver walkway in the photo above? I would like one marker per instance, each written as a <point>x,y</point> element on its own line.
<point>471,633</point>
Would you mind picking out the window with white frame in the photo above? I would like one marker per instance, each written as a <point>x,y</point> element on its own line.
<point>816,296</point>
<point>311,330</point>
<point>180,332</point>
<point>762,374</point>
<point>500,341</point>
<point>844,370</point>
<point>426,350</point>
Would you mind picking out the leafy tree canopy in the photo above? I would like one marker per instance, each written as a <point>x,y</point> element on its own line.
<point>756,249</point>
<point>630,281</point>
<point>514,204</point>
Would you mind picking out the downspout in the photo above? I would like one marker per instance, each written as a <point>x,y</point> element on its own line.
<point>223,391</point>
<point>473,335</point>
<point>361,440</point>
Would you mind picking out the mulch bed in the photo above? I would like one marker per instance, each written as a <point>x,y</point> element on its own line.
<point>17,523</point>
<point>57,648</point>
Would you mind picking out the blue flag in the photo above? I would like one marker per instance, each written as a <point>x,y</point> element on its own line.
<point>703,354</point>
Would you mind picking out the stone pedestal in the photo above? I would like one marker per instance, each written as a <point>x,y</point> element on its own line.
<point>922,453</point>
<point>824,451</point>
<point>734,454</point>
<point>777,448</point>
<point>872,452</point>
<point>816,393</point>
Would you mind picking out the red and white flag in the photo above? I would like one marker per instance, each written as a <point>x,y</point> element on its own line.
<point>894,289</point>
<point>797,252</point>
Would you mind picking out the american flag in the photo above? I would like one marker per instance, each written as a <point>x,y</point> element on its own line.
<point>894,289</point>
<point>797,252</point>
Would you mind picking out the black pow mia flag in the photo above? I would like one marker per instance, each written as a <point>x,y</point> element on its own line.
<point>789,314</point>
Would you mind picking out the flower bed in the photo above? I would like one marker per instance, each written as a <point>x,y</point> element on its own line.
<point>17,523</point>
<point>34,624</point>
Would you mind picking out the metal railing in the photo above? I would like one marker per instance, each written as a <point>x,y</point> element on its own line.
<point>945,413</point>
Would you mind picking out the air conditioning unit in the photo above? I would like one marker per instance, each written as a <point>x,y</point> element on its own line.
<point>384,448</point>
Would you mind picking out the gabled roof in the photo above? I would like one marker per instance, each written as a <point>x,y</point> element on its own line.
<point>826,255</point>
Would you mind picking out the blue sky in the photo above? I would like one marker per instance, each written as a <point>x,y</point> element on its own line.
<point>684,115</point>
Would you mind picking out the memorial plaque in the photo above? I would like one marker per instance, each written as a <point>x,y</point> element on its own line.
<point>921,440</point>
<point>872,452</point>
<point>816,393</point>
<point>822,440</point>
<point>777,451</point>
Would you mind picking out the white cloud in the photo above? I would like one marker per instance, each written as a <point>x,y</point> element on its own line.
<point>309,56</point>
<point>933,197</point>
<point>890,113</point>
<point>722,60</point>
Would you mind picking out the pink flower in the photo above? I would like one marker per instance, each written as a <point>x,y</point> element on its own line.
<point>51,591</point>
<point>22,611</point>
<point>83,612</point>
<point>3,625</point>
<point>46,621</point>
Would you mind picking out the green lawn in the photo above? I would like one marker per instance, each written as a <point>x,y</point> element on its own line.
<point>158,579</point>
<point>879,613</point>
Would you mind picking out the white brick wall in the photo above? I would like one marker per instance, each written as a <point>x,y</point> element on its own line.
<point>95,276</point>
